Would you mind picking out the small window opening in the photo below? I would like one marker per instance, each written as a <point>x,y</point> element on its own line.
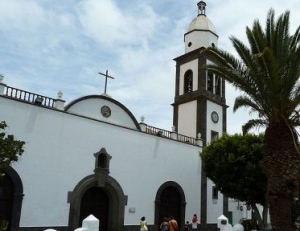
<point>214,193</point>
<point>218,85</point>
<point>210,81</point>
<point>214,135</point>
<point>102,161</point>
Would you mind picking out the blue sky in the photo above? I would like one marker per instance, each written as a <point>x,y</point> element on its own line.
<point>52,45</point>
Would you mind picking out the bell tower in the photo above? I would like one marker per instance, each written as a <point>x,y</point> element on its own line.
<point>199,104</point>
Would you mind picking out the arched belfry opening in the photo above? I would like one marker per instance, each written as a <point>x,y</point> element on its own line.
<point>188,81</point>
<point>98,194</point>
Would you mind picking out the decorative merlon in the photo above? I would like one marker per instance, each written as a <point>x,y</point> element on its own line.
<point>143,126</point>
<point>199,140</point>
<point>174,134</point>
<point>59,102</point>
<point>2,85</point>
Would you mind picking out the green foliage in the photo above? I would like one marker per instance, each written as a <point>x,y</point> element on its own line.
<point>233,164</point>
<point>266,71</point>
<point>249,224</point>
<point>10,149</point>
<point>296,213</point>
<point>3,225</point>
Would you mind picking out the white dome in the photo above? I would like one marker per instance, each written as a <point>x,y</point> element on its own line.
<point>201,32</point>
<point>201,22</point>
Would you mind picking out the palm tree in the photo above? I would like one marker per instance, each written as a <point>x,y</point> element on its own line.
<point>267,73</point>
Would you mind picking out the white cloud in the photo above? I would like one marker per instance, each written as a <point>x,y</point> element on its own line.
<point>20,15</point>
<point>54,45</point>
<point>113,27</point>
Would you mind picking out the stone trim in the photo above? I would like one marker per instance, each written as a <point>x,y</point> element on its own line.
<point>116,196</point>
<point>17,200</point>
<point>182,203</point>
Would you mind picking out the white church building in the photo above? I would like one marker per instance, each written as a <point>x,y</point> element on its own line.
<point>92,156</point>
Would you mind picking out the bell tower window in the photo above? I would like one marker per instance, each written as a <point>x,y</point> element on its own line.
<point>218,85</point>
<point>214,84</point>
<point>188,81</point>
<point>210,81</point>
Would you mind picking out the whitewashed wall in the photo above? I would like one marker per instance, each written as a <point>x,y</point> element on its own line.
<point>59,153</point>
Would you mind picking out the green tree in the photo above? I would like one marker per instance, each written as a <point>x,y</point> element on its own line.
<point>233,164</point>
<point>267,72</point>
<point>10,149</point>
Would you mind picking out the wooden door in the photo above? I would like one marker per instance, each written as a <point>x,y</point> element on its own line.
<point>96,202</point>
<point>170,204</point>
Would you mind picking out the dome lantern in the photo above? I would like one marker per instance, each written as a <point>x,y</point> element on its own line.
<point>201,7</point>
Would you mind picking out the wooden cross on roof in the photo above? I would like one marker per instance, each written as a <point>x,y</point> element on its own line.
<point>106,76</point>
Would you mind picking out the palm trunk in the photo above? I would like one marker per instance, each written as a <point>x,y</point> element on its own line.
<point>265,216</point>
<point>257,216</point>
<point>281,165</point>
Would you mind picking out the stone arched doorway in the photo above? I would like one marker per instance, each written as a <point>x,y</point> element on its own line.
<point>112,199</point>
<point>170,201</point>
<point>11,196</point>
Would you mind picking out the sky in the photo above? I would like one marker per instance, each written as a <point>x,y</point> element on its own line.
<point>48,46</point>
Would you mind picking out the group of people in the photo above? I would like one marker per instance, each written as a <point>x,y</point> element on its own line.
<point>170,224</point>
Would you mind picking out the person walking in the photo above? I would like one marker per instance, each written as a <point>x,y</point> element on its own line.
<point>195,223</point>
<point>143,224</point>
<point>173,225</point>
<point>164,226</point>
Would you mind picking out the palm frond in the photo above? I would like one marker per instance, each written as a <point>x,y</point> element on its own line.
<point>252,124</point>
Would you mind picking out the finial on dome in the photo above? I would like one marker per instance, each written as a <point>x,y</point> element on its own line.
<point>201,7</point>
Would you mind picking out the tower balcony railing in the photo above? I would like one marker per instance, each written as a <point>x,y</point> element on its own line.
<point>170,134</point>
<point>29,97</point>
